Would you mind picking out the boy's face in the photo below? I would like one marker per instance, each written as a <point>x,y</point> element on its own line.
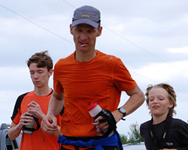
<point>39,76</point>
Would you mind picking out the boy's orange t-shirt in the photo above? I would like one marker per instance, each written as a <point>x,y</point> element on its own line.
<point>38,139</point>
<point>100,80</point>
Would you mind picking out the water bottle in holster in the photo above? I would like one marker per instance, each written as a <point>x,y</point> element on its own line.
<point>30,128</point>
<point>95,111</point>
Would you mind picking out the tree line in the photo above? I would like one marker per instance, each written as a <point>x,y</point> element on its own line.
<point>133,136</point>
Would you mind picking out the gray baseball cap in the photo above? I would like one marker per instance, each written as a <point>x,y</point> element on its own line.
<point>86,15</point>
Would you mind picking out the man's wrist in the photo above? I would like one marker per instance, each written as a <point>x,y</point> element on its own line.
<point>122,111</point>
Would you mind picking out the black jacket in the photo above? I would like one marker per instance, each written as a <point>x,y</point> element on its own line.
<point>177,135</point>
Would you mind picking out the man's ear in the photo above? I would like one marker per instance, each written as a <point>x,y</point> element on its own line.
<point>99,31</point>
<point>71,29</point>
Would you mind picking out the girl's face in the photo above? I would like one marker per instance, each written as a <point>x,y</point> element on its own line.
<point>159,103</point>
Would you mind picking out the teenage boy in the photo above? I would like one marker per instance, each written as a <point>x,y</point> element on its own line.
<point>32,107</point>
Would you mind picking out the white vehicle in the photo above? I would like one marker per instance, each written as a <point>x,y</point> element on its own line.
<point>5,142</point>
<point>134,146</point>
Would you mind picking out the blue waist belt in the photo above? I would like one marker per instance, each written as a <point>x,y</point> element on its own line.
<point>97,144</point>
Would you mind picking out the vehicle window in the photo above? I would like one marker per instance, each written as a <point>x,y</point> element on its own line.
<point>134,146</point>
<point>10,145</point>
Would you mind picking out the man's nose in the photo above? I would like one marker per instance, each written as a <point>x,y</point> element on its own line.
<point>83,36</point>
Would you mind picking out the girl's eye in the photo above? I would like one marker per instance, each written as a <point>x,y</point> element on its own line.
<point>161,98</point>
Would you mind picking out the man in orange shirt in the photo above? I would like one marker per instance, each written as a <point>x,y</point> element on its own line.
<point>89,76</point>
<point>34,104</point>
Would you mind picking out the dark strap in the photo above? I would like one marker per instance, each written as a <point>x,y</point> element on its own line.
<point>165,131</point>
<point>33,129</point>
<point>108,117</point>
<point>167,127</point>
<point>85,139</point>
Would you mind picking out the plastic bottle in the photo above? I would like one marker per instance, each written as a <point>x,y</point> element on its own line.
<point>31,126</point>
<point>94,109</point>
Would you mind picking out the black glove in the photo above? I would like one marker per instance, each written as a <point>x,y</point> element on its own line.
<point>108,117</point>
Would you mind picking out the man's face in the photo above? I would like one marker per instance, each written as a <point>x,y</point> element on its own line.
<point>39,76</point>
<point>85,36</point>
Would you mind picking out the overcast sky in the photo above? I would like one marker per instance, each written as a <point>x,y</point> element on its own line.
<point>150,37</point>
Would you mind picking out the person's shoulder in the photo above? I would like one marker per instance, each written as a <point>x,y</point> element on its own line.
<point>145,124</point>
<point>107,57</point>
<point>20,98</point>
<point>144,128</point>
<point>176,122</point>
<point>22,95</point>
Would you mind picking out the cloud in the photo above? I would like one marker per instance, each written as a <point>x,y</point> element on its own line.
<point>13,78</point>
<point>183,50</point>
<point>164,71</point>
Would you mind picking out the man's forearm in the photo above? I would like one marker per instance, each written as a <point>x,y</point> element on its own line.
<point>55,106</point>
<point>136,100</point>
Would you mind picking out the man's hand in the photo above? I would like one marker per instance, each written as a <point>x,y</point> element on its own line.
<point>101,125</point>
<point>106,122</point>
<point>49,124</point>
<point>104,125</point>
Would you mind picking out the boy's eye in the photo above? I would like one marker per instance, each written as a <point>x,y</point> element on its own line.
<point>40,72</point>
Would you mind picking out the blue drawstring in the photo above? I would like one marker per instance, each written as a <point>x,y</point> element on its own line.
<point>97,144</point>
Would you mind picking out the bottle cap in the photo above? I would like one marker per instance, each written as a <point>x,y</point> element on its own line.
<point>94,109</point>
<point>91,106</point>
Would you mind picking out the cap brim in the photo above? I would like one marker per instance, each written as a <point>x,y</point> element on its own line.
<point>85,21</point>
